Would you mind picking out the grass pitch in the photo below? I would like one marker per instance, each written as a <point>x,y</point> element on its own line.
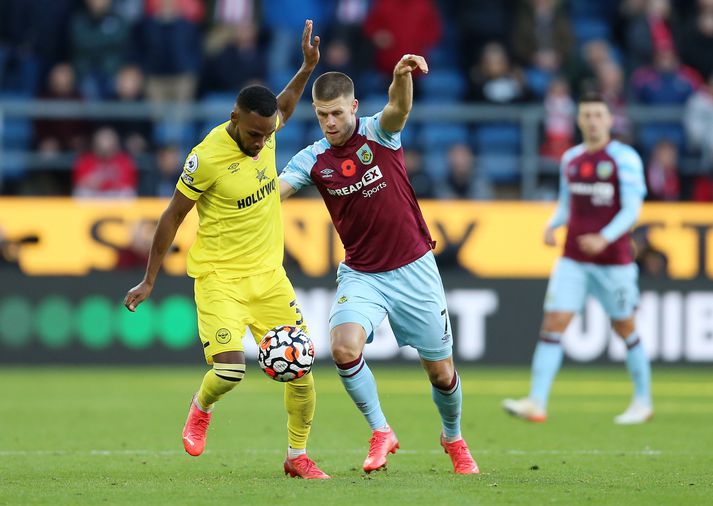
<point>93,436</point>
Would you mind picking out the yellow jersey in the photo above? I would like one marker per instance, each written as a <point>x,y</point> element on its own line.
<point>240,230</point>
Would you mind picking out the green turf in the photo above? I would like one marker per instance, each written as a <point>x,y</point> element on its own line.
<point>91,436</point>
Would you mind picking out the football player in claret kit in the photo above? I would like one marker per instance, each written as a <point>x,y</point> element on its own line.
<point>601,192</point>
<point>237,257</point>
<point>358,167</point>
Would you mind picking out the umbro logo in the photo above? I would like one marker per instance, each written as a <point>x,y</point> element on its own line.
<point>326,173</point>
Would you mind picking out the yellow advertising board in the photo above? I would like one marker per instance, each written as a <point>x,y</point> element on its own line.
<point>489,239</point>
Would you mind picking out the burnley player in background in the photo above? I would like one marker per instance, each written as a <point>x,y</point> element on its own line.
<point>601,191</point>
<point>389,269</point>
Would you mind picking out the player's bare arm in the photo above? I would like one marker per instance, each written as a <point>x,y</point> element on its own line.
<point>165,233</point>
<point>286,190</point>
<point>397,110</point>
<point>289,97</point>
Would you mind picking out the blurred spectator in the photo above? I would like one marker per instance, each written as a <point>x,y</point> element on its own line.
<point>494,79</point>
<point>161,182</point>
<point>98,38</point>
<point>9,251</point>
<point>131,11</point>
<point>134,133</point>
<point>336,56</point>
<point>10,248</point>
<point>480,22</point>
<point>697,40</point>
<point>135,255</point>
<point>235,12</point>
<point>651,27</point>
<point>167,47</point>
<point>666,82</point>
<point>56,135</point>
<point>106,171</point>
<point>593,55</point>
<point>611,85</point>
<point>542,35</point>
<point>662,172</point>
<point>285,20</point>
<point>235,59</point>
<point>702,188</point>
<point>421,181</point>
<point>33,37</point>
<point>460,183</point>
<point>560,111</point>
<point>651,262</point>
<point>349,16</point>
<point>698,120</point>
<point>192,10</point>
<point>399,27</point>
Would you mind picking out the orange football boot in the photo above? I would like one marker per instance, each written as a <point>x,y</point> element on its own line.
<point>380,445</point>
<point>459,453</point>
<point>194,432</point>
<point>304,467</point>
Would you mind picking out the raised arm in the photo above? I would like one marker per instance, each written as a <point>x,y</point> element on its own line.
<point>165,233</point>
<point>396,111</point>
<point>289,97</point>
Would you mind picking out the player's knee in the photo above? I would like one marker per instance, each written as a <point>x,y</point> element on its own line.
<point>441,373</point>
<point>343,351</point>
<point>229,372</point>
<point>346,343</point>
<point>556,322</point>
<point>442,379</point>
<point>623,328</point>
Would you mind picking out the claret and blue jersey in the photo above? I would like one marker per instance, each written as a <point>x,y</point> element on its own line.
<point>367,192</point>
<point>600,192</point>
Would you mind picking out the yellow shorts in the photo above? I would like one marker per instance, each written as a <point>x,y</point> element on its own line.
<point>227,306</point>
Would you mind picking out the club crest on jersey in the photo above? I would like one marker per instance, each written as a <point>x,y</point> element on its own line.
<point>605,169</point>
<point>326,173</point>
<point>223,336</point>
<point>260,175</point>
<point>365,154</point>
<point>191,164</point>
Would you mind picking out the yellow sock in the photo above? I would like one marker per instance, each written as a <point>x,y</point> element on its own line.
<point>300,400</point>
<point>214,385</point>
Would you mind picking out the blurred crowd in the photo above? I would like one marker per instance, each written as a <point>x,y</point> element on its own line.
<point>494,52</point>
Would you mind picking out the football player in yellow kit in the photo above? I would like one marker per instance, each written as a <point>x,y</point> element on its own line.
<point>236,259</point>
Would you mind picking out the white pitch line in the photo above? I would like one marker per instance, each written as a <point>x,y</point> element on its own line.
<point>266,451</point>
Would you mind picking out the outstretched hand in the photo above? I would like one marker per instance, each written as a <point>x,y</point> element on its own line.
<point>310,47</point>
<point>410,62</point>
